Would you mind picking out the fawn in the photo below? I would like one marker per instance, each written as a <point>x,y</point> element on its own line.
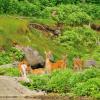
<point>24,68</point>
<point>50,66</point>
<point>38,71</point>
<point>78,63</point>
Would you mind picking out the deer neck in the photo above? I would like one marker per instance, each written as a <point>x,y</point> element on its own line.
<point>48,65</point>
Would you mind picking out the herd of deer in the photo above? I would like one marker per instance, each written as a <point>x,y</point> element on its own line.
<point>50,66</point>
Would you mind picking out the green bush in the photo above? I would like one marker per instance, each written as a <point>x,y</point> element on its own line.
<point>37,82</point>
<point>84,76</point>
<point>28,9</point>
<point>59,81</point>
<point>85,83</point>
<point>77,38</point>
<point>91,73</point>
<point>75,78</point>
<point>78,18</point>
<point>19,7</point>
<point>67,14</point>
<point>91,9</point>
<point>10,55</point>
<point>88,88</point>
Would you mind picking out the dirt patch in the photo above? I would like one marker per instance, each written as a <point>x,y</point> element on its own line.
<point>46,29</point>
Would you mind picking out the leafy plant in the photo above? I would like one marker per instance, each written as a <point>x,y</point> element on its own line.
<point>88,88</point>
<point>59,81</point>
<point>37,82</point>
<point>10,55</point>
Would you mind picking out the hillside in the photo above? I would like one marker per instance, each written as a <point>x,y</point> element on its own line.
<point>16,29</point>
<point>68,29</point>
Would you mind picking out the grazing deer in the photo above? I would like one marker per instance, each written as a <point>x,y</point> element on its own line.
<point>50,66</point>
<point>78,63</point>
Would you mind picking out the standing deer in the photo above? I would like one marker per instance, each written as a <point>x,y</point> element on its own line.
<point>50,66</point>
<point>78,63</point>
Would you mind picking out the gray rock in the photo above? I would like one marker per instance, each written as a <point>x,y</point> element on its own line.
<point>33,57</point>
<point>15,64</point>
<point>90,63</point>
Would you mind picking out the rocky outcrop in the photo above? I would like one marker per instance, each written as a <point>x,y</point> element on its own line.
<point>32,56</point>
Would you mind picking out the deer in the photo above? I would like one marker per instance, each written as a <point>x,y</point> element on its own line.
<point>24,69</point>
<point>78,63</point>
<point>38,71</point>
<point>51,66</point>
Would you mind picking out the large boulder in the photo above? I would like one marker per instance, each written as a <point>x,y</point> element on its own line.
<point>33,57</point>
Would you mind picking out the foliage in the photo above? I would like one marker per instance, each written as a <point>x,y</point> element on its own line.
<point>59,81</point>
<point>10,55</point>
<point>37,82</point>
<point>67,14</point>
<point>88,88</point>
<point>9,71</point>
<point>91,9</point>
<point>77,38</point>
<point>85,83</point>
<point>19,7</point>
<point>84,76</point>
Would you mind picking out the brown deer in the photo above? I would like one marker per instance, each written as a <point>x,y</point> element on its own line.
<point>24,68</point>
<point>50,66</point>
<point>38,71</point>
<point>78,63</point>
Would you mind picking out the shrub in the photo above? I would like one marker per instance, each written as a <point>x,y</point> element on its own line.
<point>84,76</point>
<point>89,88</point>
<point>78,18</point>
<point>10,55</point>
<point>37,82</point>
<point>75,39</point>
<point>91,73</point>
<point>91,9</point>
<point>28,9</point>
<point>75,78</point>
<point>59,81</point>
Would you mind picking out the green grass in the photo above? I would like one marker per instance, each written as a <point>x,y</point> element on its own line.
<point>14,29</point>
<point>9,71</point>
<point>48,22</point>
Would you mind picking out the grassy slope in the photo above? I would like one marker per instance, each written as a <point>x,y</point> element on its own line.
<point>15,29</point>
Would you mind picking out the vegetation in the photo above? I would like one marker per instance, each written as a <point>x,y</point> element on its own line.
<point>9,71</point>
<point>10,55</point>
<point>85,83</point>
<point>72,18</point>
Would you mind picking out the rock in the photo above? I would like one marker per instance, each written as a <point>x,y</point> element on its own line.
<point>90,63</point>
<point>33,57</point>
<point>15,64</point>
<point>57,32</point>
<point>39,92</point>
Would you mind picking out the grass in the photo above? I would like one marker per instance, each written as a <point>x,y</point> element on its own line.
<point>67,82</point>
<point>48,22</point>
<point>9,71</point>
<point>16,29</point>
